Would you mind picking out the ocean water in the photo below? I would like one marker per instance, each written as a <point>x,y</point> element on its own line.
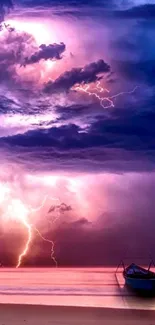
<point>60,281</point>
<point>97,287</point>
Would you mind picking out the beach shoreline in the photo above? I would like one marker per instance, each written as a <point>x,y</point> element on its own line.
<point>13,314</point>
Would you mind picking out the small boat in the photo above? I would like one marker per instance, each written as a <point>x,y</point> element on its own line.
<point>139,278</point>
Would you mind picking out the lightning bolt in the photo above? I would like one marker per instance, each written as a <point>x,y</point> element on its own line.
<point>103,100</point>
<point>18,211</point>
<point>30,228</point>
<point>52,248</point>
<point>101,89</point>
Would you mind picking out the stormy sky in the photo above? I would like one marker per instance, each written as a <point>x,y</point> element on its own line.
<point>77,152</point>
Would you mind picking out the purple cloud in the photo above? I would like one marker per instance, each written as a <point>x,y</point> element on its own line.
<point>5,5</point>
<point>75,76</point>
<point>46,52</point>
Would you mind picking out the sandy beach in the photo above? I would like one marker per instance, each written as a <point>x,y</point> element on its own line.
<point>45,315</point>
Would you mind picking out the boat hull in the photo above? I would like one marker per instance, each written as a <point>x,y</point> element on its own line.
<point>141,284</point>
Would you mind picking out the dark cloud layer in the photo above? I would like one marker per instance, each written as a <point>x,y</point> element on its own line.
<point>46,52</point>
<point>75,76</point>
<point>129,132</point>
<point>76,3</point>
<point>18,49</point>
<point>107,144</point>
<point>142,70</point>
<point>14,46</point>
<point>110,4</point>
<point>5,5</point>
<point>146,11</point>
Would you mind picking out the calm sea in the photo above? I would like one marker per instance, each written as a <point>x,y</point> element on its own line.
<point>99,287</point>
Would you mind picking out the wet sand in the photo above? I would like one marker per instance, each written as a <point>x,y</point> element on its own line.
<point>12,314</point>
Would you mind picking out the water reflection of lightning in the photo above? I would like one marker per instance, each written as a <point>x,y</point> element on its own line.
<point>103,100</point>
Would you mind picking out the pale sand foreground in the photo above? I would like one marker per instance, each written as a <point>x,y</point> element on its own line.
<point>46,315</point>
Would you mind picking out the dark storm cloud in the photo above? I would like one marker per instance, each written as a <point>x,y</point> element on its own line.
<point>46,52</point>
<point>107,4</point>
<point>7,105</point>
<point>142,70</point>
<point>75,76</point>
<point>68,3</point>
<point>5,5</point>
<point>135,50</point>
<point>128,131</point>
<point>79,160</point>
<point>73,111</point>
<point>125,142</point>
<point>62,208</point>
<point>146,11</point>
<point>110,9</point>
<point>19,48</point>
<point>14,46</point>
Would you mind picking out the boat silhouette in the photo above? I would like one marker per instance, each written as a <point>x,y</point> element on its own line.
<point>139,278</point>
